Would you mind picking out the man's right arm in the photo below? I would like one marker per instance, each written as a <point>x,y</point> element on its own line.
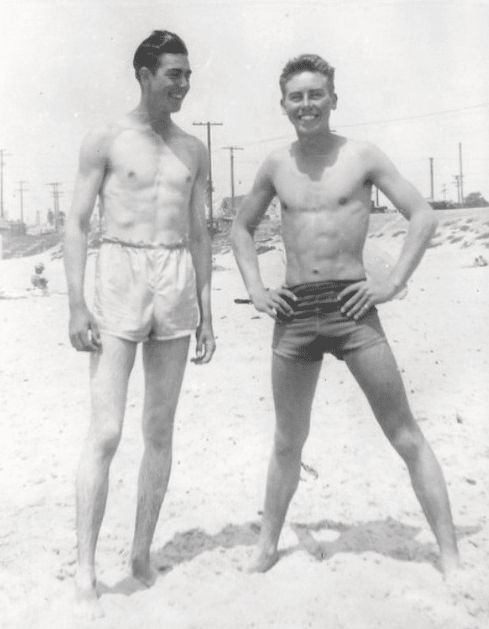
<point>84,334</point>
<point>250,213</point>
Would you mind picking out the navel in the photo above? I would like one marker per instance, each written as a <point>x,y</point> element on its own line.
<point>342,200</point>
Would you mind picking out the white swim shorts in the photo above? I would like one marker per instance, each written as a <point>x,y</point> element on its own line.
<point>144,291</point>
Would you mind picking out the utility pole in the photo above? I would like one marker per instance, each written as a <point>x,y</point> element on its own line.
<point>3,153</point>
<point>231,150</point>
<point>432,184</point>
<point>209,183</point>
<point>457,183</point>
<point>376,197</point>
<point>460,174</point>
<point>21,191</point>
<point>56,194</point>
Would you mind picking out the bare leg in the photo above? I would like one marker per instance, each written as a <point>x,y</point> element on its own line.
<point>294,384</point>
<point>164,366</point>
<point>109,375</point>
<point>376,371</point>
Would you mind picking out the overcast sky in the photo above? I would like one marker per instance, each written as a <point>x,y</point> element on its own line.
<point>412,77</point>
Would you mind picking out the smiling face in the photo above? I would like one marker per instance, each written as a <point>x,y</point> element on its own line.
<point>308,101</point>
<point>167,87</point>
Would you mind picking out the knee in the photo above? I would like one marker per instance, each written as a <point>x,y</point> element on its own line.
<point>158,434</point>
<point>408,442</point>
<point>106,440</point>
<point>289,446</point>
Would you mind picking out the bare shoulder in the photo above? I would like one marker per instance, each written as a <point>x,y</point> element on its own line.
<point>358,148</point>
<point>274,160</point>
<point>280,155</point>
<point>97,142</point>
<point>191,143</point>
<point>371,154</point>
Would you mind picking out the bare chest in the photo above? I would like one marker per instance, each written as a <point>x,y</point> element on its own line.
<point>314,188</point>
<point>139,162</point>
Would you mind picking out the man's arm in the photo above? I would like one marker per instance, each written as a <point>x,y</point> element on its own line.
<point>201,251</point>
<point>422,225</point>
<point>421,216</point>
<point>84,334</point>
<point>250,213</point>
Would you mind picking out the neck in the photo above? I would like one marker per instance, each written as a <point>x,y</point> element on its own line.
<point>159,121</point>
<point>320,142</point>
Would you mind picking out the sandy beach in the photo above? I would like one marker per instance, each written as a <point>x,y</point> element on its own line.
<point>356,551</point>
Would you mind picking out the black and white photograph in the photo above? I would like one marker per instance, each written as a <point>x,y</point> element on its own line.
<point>244,305</point>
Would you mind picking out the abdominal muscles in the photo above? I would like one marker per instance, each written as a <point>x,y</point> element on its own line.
<point>324,245</point>
<point>155,212</point>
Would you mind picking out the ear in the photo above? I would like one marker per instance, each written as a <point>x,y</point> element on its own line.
<point>335,101</point>
<point>282,105</point>
<point>144,74</point>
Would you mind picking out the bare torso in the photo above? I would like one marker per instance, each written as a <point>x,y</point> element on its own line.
<point>325,202</point>
<point>148,185</point>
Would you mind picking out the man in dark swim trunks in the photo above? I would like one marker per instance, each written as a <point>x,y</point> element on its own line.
<point>324,184</point>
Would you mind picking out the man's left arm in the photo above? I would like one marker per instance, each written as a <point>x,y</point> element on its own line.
<point>200,248</point>
<point>421,227</point>
<point>421,216</point>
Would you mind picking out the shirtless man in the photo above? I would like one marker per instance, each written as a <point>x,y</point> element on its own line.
<point>324,184</point>
<point>152,286</point>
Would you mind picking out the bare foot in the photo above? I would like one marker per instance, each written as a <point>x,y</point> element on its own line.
<point>464,589</point>
<point>263,560</point>
<point>450,566</point>
<point>87,605</point>
<point>143,571</point>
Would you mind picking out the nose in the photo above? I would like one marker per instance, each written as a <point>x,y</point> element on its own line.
<point>305,101</point>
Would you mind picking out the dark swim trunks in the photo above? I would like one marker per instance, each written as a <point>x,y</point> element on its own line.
<point>318,326</point>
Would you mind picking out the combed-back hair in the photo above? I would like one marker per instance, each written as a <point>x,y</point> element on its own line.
<point>306,63</point>
<point>149,51</point>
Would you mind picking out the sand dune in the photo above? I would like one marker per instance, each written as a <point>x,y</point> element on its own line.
<point>356,552</point>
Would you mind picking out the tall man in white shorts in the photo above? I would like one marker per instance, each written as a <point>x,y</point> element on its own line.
<point>153,282</point>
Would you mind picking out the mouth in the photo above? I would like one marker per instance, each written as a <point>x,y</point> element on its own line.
<point>309,117</point>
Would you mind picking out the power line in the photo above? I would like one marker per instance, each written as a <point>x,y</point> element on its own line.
<point>416,117</point>
<point>385,121</point>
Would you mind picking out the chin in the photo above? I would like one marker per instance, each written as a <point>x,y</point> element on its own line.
<point>308,130</point>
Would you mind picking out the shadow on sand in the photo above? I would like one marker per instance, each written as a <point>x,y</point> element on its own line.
<point>388,537</point>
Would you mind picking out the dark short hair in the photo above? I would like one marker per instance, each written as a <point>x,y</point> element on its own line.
<point>149,51</point>
<point>306,63</point>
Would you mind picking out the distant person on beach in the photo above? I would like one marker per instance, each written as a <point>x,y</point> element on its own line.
<point>152,286</point>
<point>327,305</point>
<point>38,281</point>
